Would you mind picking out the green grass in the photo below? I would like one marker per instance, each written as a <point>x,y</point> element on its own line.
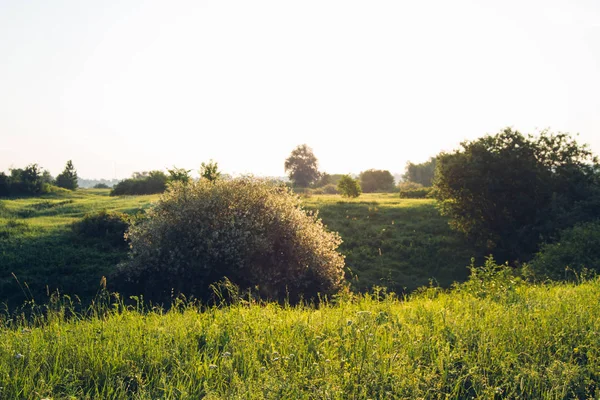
<point>38,246</point>
<point>521,341</point>
<point>398,243</point>
<point>401,244</point>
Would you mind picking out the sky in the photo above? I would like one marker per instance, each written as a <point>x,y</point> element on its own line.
<point>124,86</point>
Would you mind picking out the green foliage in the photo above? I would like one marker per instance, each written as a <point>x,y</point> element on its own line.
<point>252,232</point>
<point>302,166</point>
<point>4,185</point>
<point>508,191</point>
<point>375,180</point>
<point>348,187</point>
<point>577,250</point>
<point>210,171</point>
<point>30,181</point>
<point>68,178</point>
<point>411,190</point>
<point>179,175</point>
<point>142,183</point>
<point>422,174</point>
<point>101,186</point>
<point>109,226</point>
<point>491,280</point>
<point>537,342</point>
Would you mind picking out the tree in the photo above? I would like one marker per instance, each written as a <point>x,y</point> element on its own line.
<point>179,175</point>
<point>252,232</point>
<point>348,187</point>
<point>68,178</point>
<point>376,180</point>
<point>210,171</point>
<point>509,192</point>
<point>302,166</point>
<point>420,173</point>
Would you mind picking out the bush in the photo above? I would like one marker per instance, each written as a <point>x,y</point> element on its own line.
<point>577,250</point>
<point>142,183</point>
<point>348,187</point>
<point>101,186</point>
<point>252,232</point>
<point>110,226</point>
<point>411,190</point>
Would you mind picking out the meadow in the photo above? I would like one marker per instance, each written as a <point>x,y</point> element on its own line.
<point>401,244</point>
<point>492,336</point>
<point>481,341</point>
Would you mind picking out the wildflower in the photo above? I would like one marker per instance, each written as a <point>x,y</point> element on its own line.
<point>576,350</point>
<point>25,330</point>
<point>226,354</point>
<point>262,369</point>
<point>19,356</point>
<point>212,366</point>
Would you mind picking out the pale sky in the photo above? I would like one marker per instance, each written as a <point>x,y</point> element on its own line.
<point>122,86</point>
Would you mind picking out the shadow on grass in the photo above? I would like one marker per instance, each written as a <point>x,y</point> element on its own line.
<point>46,261</point>
<point>401,248</point>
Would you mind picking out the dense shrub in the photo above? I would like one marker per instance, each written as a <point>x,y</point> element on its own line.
<point>142,183</point>
<point>577,249</point>
<point>411,190</point>
<point>252,232</point>
<point>109,226</point>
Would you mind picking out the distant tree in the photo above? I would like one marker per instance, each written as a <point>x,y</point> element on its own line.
<point>509,192</point>
<point>420,173</point>
<point>302,166</point>
<point>27,181</point>
<point>47,178</point>
<point>179,175</point>
<point>348,187</point>
<point>210,171</point>
<point>68,178</point>
<point>375,180</point>
<point>4,185</point>
<point>141,183</point>
<point>101,186</point>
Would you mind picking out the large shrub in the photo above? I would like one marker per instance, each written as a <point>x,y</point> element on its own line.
<point>250,231</point>
<point>577,249</point>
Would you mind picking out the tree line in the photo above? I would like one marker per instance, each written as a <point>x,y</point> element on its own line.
<point>34,180</point>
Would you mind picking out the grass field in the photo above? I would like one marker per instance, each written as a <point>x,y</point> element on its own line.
<point>388,241</point>
<point>38,246</point>
<point>506,341</point>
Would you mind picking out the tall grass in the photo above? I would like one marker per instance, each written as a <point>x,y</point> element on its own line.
<point>480,340</point>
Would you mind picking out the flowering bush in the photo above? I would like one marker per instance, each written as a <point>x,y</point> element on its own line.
<point>250,231</point>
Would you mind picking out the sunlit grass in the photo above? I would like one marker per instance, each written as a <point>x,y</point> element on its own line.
<point>534,342</point>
